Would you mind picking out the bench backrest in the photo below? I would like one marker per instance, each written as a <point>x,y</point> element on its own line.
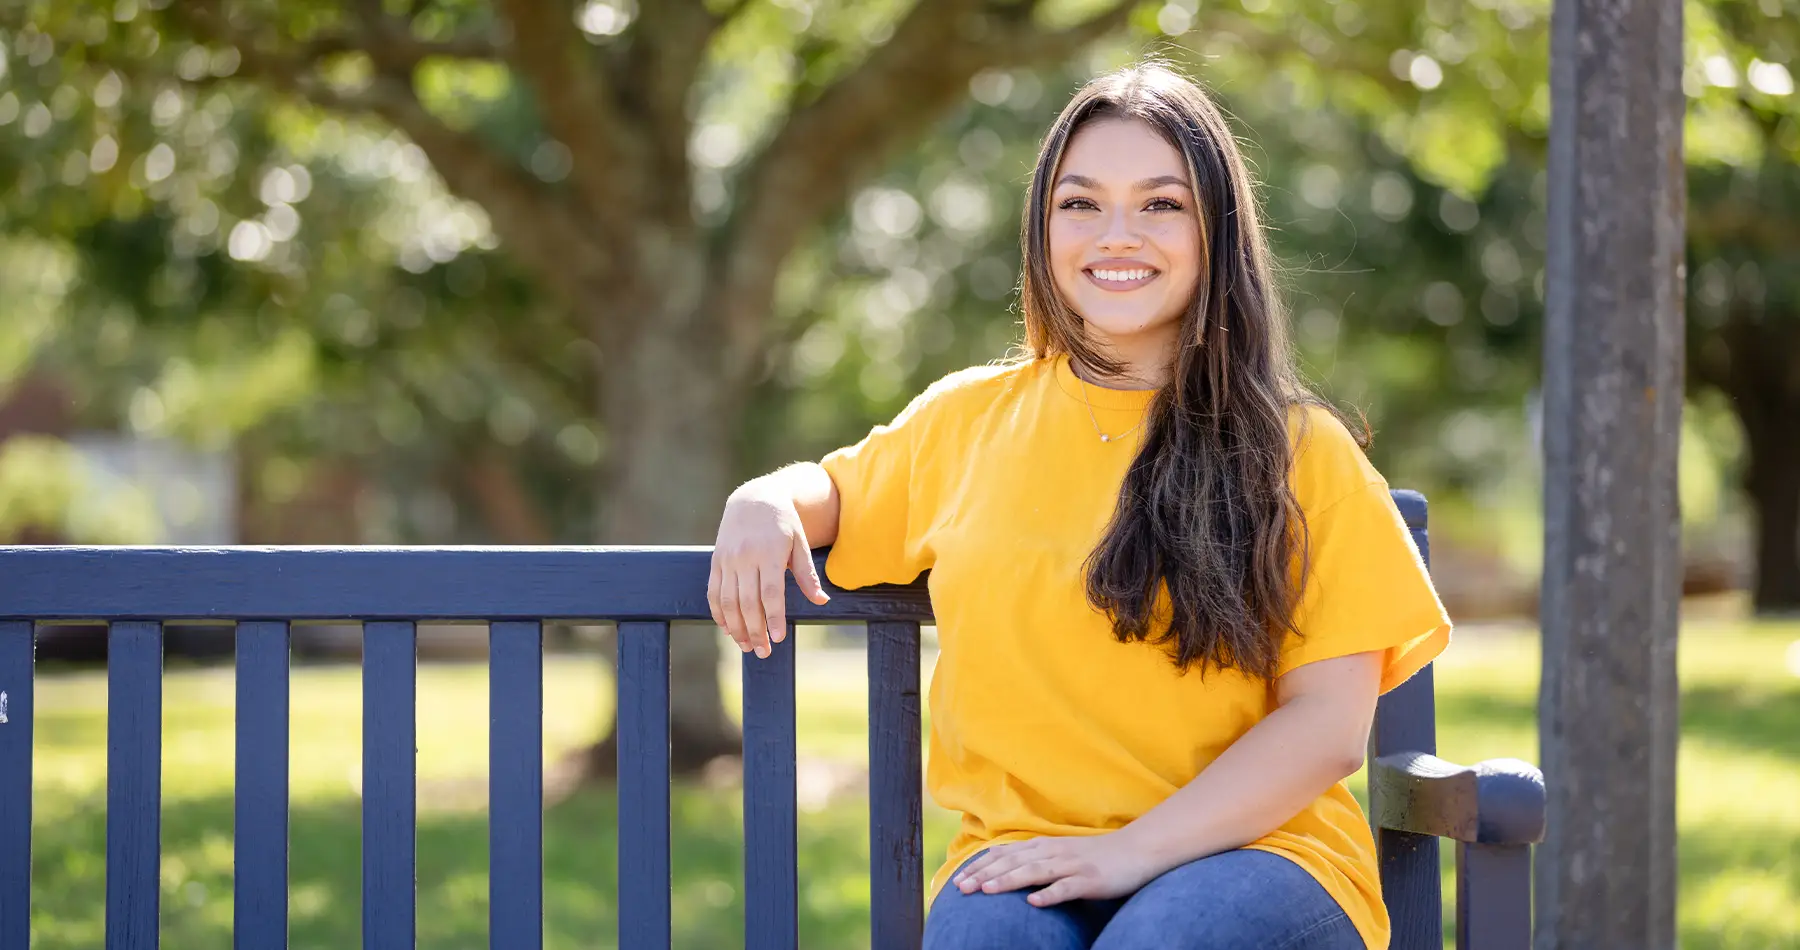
<point>390,590</point>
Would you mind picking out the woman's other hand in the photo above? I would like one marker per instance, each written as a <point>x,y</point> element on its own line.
<point>761,538</point>
<point>1095,867</point>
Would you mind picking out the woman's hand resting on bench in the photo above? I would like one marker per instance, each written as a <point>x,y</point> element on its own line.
<point>770,526</point>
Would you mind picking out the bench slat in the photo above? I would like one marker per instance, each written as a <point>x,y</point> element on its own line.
<point>133,783</point>
<point>771,884</point>
<point>896,837</point>
<point>643,658</point>
<point>516,786</point>
<point>261,808</point>
<point>16,653</point>
<point>389,814</point>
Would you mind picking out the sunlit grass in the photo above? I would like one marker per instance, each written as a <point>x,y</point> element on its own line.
<point>1738,784</point>
<point>1739,799</point>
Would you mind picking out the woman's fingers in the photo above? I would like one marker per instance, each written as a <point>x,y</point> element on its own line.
<point>760,539</point>
<point>997,860</point>
<point>750,604</point>
<point>1064,889</point>
<point>774,602</point>
<point>806,576</point>
<point>715,604</point>
<point>1028,873</point>
<point>750,610</point>
<point>969,878</point>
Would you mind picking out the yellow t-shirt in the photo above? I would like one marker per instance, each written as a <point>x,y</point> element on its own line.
<point>1042,723</point>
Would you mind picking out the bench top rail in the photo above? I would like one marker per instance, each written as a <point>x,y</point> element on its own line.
<point>416,583</point>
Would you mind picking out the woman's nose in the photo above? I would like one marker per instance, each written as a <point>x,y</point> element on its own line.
<point>1118,234</point>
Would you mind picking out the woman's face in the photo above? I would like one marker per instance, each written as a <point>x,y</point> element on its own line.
<point>1124,234</point>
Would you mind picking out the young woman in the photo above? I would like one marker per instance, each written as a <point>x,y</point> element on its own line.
<point>1168,584</point>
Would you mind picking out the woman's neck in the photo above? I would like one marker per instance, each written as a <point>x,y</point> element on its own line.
<point>1145,364</point>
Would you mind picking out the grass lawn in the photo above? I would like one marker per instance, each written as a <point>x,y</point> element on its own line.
<point>1739,801</point>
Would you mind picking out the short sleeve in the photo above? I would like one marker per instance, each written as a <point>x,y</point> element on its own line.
<point>1366,589</point>
<point>877,508</point>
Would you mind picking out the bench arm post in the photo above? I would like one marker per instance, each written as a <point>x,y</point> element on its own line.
<point>1493,896</point>
<point>1495,811</point>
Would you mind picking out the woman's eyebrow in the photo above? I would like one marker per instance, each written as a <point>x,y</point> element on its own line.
<point>1148,184</point>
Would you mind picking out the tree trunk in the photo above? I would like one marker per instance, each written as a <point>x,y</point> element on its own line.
<point>670,411</point>
<point>1772,479</point>
<point>1758,366</point>
<point>1605,876</point>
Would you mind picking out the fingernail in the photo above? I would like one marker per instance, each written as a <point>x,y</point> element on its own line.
<point>777,635</point>
<point>762,652</point>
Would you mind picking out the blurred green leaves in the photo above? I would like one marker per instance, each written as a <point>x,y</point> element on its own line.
<point>214,257</point>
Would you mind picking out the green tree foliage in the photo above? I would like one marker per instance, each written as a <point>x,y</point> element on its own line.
<point>509,264</point>
<point>282,215</point>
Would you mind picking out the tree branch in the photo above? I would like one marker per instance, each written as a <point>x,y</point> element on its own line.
<point>667,49</point>
<point>546,235</point>
<point>370,12</point>
<point>608,166</point>
<point>826,146</point>
<point>398,48</point>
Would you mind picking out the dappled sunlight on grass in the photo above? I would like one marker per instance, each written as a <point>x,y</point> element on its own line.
<point>1738,788</point>
<point>1739,801</point>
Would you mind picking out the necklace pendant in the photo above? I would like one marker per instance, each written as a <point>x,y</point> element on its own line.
<point>1105,438</point>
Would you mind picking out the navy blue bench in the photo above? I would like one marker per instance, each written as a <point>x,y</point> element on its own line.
<point>1493,811</point>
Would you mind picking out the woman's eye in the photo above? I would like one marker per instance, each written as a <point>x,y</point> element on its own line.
<point>1084,204</point>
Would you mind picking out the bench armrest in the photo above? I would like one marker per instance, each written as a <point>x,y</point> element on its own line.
<point>1500,801</point>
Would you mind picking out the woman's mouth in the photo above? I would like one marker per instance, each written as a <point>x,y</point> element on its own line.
<point>1116,279</point>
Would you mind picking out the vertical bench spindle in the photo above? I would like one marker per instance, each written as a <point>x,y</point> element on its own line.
<point>390,734</point>
<point>516,786</point>
<point>643,662</point>
<point>896,840</point>
<point>1501,874</point>
<point>261,808</point>
<point>1408,863</point>
<point>1406,720</point>
<point>133,783</point>
<point>16,655</point>
<point>771,882</point>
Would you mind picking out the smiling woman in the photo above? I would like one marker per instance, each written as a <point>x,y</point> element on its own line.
<point>1125,241</point>
<point>1169,586</point>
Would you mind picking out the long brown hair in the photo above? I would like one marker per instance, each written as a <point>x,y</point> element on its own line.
<point>1207,537</point>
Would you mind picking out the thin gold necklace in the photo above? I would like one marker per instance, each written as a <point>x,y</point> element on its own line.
<point>1090,408</point>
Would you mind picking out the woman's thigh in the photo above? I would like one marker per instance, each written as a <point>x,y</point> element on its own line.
<point>1236,900</point>
<point>1006,921</point>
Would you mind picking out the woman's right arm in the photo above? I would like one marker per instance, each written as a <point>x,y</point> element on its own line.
<point>770,526</point>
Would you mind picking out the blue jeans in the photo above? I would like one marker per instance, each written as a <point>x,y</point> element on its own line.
<point>1237,900</point>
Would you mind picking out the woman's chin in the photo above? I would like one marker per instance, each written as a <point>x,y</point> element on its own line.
<point>1119,326</point>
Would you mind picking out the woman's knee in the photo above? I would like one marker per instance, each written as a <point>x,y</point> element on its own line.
<point>1005,921</point>
<point>1238,900</point>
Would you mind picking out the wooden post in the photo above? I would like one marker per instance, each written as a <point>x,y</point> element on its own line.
<point>1612,404</point>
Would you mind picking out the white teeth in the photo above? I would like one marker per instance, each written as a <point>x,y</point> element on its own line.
<point>1122,275</point>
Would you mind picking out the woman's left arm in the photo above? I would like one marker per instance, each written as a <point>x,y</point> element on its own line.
<point>1313,739</point>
